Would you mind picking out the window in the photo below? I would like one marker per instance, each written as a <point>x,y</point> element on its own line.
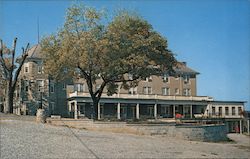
<point>40,85</point>
<point>132,90</point>
<point>148,79</point>
<point>26,88</point>
<point>176,91</point>
<point>165,78</point>
<point>186,79</point>
<point>176,77</point>
<point>130,76</point>
<point>98,86</point>
<point>147,90</point>
<point>239,111</point>
<point>26,68</point>
<point>186,92</point>
<point>233,110</point>
<point>52,88</point>
<point>39,69</point>
<point>79,87</point>
<point>227,111</point>
<point>165,91</point>
<point>220,111</point>
<point>64,85</point>
<point>213,110</point>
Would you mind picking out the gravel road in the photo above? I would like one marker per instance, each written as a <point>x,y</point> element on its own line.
<point>27,139</point>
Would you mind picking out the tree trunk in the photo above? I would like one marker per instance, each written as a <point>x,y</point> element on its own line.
<point>9,100</point>
<point>95,108</point>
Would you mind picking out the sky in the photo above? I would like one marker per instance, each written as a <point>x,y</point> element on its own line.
<point>212,36</point>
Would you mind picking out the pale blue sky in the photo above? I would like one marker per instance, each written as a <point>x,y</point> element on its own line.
<point>212,36</point>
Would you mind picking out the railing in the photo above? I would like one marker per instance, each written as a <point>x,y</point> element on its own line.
<point>145,96</point>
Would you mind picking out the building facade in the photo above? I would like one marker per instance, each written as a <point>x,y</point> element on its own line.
<point>156,97</point>
<point>36,89</point>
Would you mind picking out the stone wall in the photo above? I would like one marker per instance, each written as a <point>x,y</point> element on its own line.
<point>211,133</point>
<point>202,132</point>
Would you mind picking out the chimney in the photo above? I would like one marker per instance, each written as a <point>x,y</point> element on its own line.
<point>184,63</point>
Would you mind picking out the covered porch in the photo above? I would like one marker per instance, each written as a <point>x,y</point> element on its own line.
<point>132,109</point>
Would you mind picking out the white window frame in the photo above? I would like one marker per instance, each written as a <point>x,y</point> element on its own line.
<point>187,92</point>
<point>79,87</point>
<point>132,90</point>
<point>149,79</point>
<point>147,90</point>
<point>186,79</point>
<point>176,91</point>
<point>130,76</point>
<point>165,78</point>
<point>165,91</point>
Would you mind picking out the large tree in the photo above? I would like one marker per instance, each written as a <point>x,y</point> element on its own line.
<point>9,72</point>
<point>97,49</point>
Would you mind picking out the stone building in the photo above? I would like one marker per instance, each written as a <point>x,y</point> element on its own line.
<point>36,89</point>
<point>157,97</point>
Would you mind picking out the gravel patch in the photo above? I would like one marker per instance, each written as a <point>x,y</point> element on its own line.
<point>26,139</point>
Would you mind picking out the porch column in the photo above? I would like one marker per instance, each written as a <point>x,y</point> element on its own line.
<point>248,125</point>
<point>240,126</point>
<point>99,111</point>
<point>119,111</point>
<point>174,111</point>
<point>137,111</point>
<point>76,111</point>
<point>191,111</point>
<point>183,110</point>
<point>155,111</point>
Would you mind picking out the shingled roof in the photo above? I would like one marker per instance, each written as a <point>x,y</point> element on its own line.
<point>35,52</point>
<point>182,68</point>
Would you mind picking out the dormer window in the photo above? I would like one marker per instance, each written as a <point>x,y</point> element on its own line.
<point>149,79</point>
<point>130,76</point>
<point>39,69</point>
<point>132,90</point>
<point>176,77</point>
<point>186,79</point>
<point>165,78</point>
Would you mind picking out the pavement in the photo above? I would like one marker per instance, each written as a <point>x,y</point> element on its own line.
<point>24,138</point>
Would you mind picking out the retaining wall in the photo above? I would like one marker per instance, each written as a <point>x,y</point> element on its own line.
<point>212,133</point>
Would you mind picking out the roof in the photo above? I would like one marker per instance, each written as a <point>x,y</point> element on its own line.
<point>182,68</point>
<point>35,52</point>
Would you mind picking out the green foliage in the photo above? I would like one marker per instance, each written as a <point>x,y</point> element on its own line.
<point>92,48</point>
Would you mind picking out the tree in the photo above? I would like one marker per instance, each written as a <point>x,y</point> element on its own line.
<point>96,49</point>
<point>9,72</point>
